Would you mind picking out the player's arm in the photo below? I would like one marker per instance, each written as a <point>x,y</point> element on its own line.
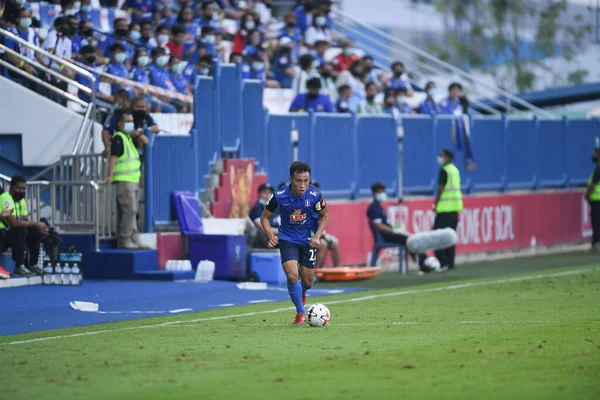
<point>323,218</point>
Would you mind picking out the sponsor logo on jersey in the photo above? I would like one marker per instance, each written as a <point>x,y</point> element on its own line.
<point>297,217</point>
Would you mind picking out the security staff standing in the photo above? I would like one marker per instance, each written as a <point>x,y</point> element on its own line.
<point>593,196</point>
<point>448,203</point>
<point>124,170</point>
<point>18,232</point>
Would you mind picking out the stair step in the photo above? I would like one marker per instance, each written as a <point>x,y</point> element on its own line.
<point>165,275</point>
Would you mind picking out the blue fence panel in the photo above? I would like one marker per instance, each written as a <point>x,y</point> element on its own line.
<point>254,139</point>
<point>551,169</point>
<point>230,105</point>
<point>487,139</point>
<point>580,142</point>
<point>377,153</point>
<point>418,170</point>
<point>443,139</point>
<point>521,153</point>
<point>48,13</point>
<point>279,147</point>
<point>206,136</point>
<point>171,166</point>
<point>333,154</point>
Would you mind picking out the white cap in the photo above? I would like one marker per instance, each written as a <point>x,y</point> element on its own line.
<point>285,41</point>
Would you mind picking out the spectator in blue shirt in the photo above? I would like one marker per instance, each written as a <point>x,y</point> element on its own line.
<point>207,41</point>
<point>343,102</point>
<point>429,106</point>
<point>312,100</point>
<point>146,38</point>
<point>88,55</point>
<point>140,73</point>
<point>399,79</point>
<point>318,53</point>
<point>255,68</point>
<point>325,6</point>
<point>163,35</point>
<point>192,28</point>
<point>117,67</point>
<point>159,76</point>
<point>85,11</point>
<point>372,73</point>
<point>85,37</point>
<point>209,16</point>
<point>180,81</point>
<point>139,9</point>
<point>403,107</point>
<point>283,66</point>
<point>389,104</point>
<point>303,14</point>
<point>121,31</point>
<point>27,33</point>
<point>135,34</point>
<point>291,31</point>
<point>452,102</point>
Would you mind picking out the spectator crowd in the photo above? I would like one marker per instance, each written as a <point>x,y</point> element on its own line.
<point>168,43</point>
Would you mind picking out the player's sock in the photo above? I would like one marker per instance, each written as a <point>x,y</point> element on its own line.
<point>295,290</point>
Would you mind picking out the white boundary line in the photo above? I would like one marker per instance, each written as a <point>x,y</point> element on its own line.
<point>278,310</point>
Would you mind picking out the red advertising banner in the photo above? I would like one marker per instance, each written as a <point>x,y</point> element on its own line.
<point>488,223</point>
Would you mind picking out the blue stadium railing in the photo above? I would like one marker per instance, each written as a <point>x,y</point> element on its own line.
<point>349,153</point>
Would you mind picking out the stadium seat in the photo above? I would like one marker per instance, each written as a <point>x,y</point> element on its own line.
<point>379,243</point>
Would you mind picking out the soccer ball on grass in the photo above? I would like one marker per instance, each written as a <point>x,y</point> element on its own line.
<point>318,315</point>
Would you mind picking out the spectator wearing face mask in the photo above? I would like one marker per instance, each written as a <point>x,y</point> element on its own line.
<point>318,30</point>
<point>353,77</point>
<point>12,9</point>
<point>327,82</point>
<point>303,72</point>
<point>342,61</point>
<point>429,106</point>
<point>163,35</point>
<point>159,76</point>
<point>399,79</point>
<point>206,44</point>
<point>261,241</point>
<point>88,54</point>
<point>318,53</point>
<point>368,105</point>
<point>403,107</point>
<point>389,104</point>
<point>247,25</point>
<point>120,35</point>
<point>312,100</point>
<point>291,31</point>
<point>146,38</point>
<point>167,15</point>
<point>255,68</point>
<point>283,66</point>
<point>451,103</point>
<point>135,34</point>
<point>85,37</point>
<point>140,9</point>
<point>122,103</point>
<point>201,68</point>
<point>343,102</point>
<point>27,33</point>
<point>191,31</point>
<point>210,17</point>
<point>58,42</point>
<point>67,8</point>
<point>140,73</point>
<point>117,67</point>
<point>142,121</point>
<point>180,81</point>
<point>372,73</point>
<point>85,11</point>
<point>303,13</point>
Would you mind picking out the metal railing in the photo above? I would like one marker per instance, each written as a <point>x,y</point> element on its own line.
<point>388,48</point>
<point>84,142</point>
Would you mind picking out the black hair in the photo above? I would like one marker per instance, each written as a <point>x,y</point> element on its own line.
<point>370,84</point>
<point>377,187</point>
<point>138,97</point>
<point>429,84</point>
<point>448,153</point>
<point>116,46</point>
<point>299,167</point>
<point>145,22</point>
<point>157,51</point>
<point>454,85</point>
<point>206,59</point>
<point>265,186</point>
<point>234,54</point>
<point>138,51</point>
<point>206,3</point>
<point>207,29</point>
<point>305,60</point>
<point>397,64</point>
<point>343,87</point>
<point>17,179</point>
<point>123,114</point>
<point>176,30</point>
<point>368,57</point>
<point>122,93</point>
<point>313,83</point>
<point>87,49</point>
<point>401,90</point>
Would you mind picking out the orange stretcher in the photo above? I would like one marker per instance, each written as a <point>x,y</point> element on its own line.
<point>347,273</point>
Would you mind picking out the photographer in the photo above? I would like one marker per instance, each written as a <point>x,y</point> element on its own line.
<point>18,232</point>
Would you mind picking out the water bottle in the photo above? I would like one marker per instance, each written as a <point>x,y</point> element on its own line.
<point>75,275</point>
<point>56,277</point>
<point>47,278</point>
<point>65,277</point>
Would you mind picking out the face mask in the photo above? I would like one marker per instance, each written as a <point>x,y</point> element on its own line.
<point>381,197</point>
<point>398,74</point>
<point>401,100</point>
<point>431,93</point>
<point>25,22</point>
<point>143,61</point>
<point>67,31</point>
<point>204,71</point>
<point>120,58</point>
<point>258,65</point>
<point>440,160</point>
<point>121,32</point>
<point>326,74</point>
<point>215,16</point>
<point>117,106</point>
<point>163,38</point>
<point>249,25</point>
<point>290,24</point>
<point>71,12</point>
<point>370,98</point>
<point>128,127</point>
<point>138,115</point>
<point>162,60</point>
<point>90,60</point>
<point>87,32</point>
<point>21,2</point>
<point>210,39</point>
<point>348,52</point>
<point>86,9</point>
<point>263,201</point>
<point>177,68</point>
<point>18,196</point>
<point>242,4</point>
<point>321,21</point>
<point>135,35</point>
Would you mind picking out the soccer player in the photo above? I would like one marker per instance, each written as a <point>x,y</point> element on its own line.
<point>303,218</point>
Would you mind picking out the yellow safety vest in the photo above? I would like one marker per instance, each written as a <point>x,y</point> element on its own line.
<point>19,208</point>
<point>127,168</point>
<point>596,193</point>
<point>451,198</point>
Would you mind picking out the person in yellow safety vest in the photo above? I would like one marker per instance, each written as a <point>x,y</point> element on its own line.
<point>593,197</point>
<point>124,170</point>
<point>18,232</point>
<point>448,203</point>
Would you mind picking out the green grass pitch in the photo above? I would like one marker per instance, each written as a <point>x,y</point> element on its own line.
<point>532,335</point>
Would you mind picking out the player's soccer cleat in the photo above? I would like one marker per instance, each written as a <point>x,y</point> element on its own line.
<point>303,299</point>
<point>300,319</point>
<point>4,274</point>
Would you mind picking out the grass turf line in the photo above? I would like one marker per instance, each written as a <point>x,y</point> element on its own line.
<point>536,338</point>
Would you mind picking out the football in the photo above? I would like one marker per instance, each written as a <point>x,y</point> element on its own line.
<point>318,315</point>
<point>432,263</point>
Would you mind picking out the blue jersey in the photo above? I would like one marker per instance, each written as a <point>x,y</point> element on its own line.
<point>299,215</point>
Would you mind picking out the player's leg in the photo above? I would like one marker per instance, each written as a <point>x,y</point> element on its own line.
<point>290,255</point>
<point>307,277</point>
<point>308,260</point>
